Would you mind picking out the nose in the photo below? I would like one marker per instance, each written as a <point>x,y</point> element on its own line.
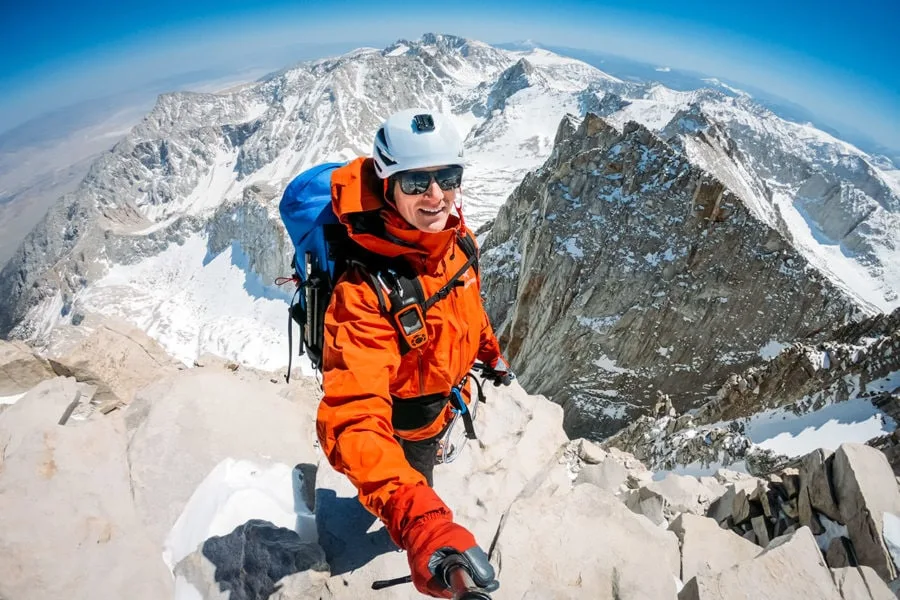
<point>434,190</point>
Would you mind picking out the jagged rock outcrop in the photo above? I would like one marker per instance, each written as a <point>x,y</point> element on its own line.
<point>21,369</point>
<point>618,268</point>
<point>858,362</point>
<point>512,80</point>
<point>253,227</point>
<point>843,498</point>
<point>791,566</point>
<point>696,535</point>
<point>116,359</point>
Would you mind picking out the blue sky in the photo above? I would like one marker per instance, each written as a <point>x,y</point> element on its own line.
<point>840,61</point>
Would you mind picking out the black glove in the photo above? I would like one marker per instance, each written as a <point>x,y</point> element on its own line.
<point>499,372</point>
<point>474,561</point>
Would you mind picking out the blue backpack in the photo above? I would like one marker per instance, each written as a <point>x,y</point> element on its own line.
<point>323,251</point>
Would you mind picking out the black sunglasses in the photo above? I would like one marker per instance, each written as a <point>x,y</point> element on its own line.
<point>417,182</point>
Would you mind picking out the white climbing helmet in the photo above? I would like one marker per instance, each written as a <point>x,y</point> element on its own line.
<point>416,138</point>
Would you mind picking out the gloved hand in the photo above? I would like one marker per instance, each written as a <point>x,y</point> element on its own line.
<point>501,372</point>
<point>433,538</point>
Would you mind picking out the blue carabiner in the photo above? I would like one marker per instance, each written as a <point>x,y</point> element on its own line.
<point>460,404</point>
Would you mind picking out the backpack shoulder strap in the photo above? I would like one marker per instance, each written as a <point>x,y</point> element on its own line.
<point>469,247</point>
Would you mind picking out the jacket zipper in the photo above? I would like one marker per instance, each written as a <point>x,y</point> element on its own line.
<point>421,373</point>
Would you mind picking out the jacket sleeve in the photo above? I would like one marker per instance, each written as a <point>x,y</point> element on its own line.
<point>488,346</point>
<point>354,418</point>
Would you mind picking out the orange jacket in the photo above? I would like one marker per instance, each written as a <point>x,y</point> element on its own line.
<point>362,366</point>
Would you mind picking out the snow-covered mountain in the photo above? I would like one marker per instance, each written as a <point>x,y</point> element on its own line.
<point>137,239</point>
<point>176,229</point>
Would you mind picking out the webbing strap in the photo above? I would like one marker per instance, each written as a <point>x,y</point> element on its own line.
<point>459,405</point>
<point>445,290</point>
<point>287,376</point>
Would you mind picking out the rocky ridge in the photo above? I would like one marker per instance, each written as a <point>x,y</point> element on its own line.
<point>860,362</point>
<point>619,268</point>
<point>156,464</point>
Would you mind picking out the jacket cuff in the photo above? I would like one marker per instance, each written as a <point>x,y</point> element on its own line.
<point>409,504</point>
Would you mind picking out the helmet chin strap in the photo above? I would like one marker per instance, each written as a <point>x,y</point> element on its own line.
<point>458,205</point>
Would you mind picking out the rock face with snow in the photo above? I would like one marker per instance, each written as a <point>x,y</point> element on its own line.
<point>857,366</point>
<point>800,180</point>
<point>200,177</point>
<point>619,268</point>
<point>191,193</point>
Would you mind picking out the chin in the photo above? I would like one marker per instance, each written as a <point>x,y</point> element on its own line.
<point>434,227</point>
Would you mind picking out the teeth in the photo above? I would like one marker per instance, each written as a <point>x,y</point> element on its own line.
<point>430,212</point>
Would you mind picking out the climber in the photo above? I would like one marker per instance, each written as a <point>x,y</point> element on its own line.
<point>392,362</point>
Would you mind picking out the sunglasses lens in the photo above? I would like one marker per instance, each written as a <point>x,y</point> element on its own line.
<point>449,178</point>
<point>417,182</point>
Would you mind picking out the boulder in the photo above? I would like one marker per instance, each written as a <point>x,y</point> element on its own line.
<point>21,369</point>
<point>866,491</point>
<point>743,509</point>
<point>763,530</point>
<point>683,493</point>
<point>609,475</point>
<point>861,583</point>
<point>184,425</point>
<point>815,478</point>
<point>790,480</point>
<point>116,358</point>
<point>806,516</point>
<point>591,546</point>
<point>257,560</point>
<point>723,507</point>
<point>68,525</point>
<point>648,503</point>
<point>706,548</point>
<point>839,553</point>
<point>791,567</point>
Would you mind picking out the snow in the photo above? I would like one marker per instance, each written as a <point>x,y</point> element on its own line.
<point>9,400</point>
<point>399,50</point>
<point>854,420</point>
<point>831,259</point>
<point>891,535</point>
<point>598,324</point>
<point>607,364</point>
<point>234,492</point>
<point>833,530</point>
<point>772,349</point>
<point>192,303</point>
<point>698,469</point>
<point>572,248</point>
<point>716,82</point>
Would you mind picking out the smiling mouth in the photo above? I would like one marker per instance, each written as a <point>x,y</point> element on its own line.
<point>435,211</point>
